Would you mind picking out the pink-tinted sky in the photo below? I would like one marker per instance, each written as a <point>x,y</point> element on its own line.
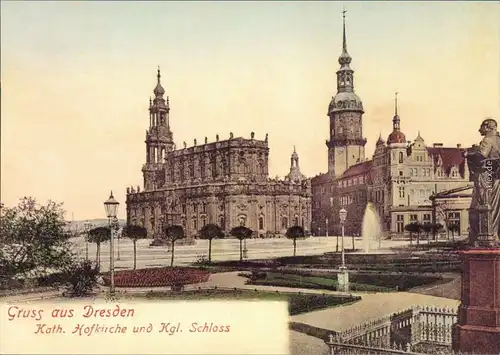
<point>77,76</point>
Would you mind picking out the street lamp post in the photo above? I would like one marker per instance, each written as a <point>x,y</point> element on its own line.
<point>87,231</point>
<point>343,275</point>
<point>118,237</point>
<point>111,207</point>
<point>116,228</point>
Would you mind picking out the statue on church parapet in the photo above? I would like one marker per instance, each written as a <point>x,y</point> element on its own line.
<point>185,144</point>
<point>484,166</point>
<point>231,136</point>
<point>266,138</point>
<point>195,142</point>
<point>252,135</point>
<point>206,140</point>
<point>216,137</point>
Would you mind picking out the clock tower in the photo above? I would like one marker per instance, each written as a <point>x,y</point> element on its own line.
<point>346,146</point>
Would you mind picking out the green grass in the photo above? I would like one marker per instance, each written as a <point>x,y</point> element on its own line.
<point>310,282</point>
<point>297,303</point>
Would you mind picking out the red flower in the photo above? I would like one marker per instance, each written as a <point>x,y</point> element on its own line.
<point>158,277</point>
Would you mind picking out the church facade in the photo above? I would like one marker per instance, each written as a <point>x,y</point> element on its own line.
<point>399,180</point>
<point>225,182</point>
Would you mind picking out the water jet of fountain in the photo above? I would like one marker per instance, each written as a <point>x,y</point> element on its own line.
<point>371,228</point>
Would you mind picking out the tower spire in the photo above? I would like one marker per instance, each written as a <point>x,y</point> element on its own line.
<point>344,40</point>
<point>345,58</point>
<point>396,103</point>
<point>159,90</point>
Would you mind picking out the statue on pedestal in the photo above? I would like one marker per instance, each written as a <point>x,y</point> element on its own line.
<point>484,166</point>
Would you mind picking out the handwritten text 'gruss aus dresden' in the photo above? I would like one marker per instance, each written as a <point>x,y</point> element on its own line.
<point>16,312</point>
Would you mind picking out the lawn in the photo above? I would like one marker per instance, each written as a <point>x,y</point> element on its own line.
<point>364,283</point>
<point>297,303</point>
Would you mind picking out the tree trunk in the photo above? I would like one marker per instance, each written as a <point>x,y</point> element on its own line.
<point>337,246</point>
<point>210,250</point>
<point>241,250</point>
<point>135,253</point>
<point>353,242</point>
<point>294,247</point>
<point>172,259</point>
<point>98,255</point>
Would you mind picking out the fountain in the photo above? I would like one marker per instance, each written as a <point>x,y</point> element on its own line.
<point>371,228</point>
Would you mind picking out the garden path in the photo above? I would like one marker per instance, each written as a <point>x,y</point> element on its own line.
<point>370,307</point>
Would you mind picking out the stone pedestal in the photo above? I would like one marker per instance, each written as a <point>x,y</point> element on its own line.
<point>343,280</point>
<point>478,327</point>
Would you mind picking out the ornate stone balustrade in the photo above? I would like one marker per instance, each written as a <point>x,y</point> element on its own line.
<point>412,328</point>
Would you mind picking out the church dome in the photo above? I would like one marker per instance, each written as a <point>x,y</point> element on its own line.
<point>346,100</point>
<point>159,90</point>
<point>396,136</point>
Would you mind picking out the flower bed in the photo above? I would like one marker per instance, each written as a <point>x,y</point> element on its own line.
<point>156,277</point>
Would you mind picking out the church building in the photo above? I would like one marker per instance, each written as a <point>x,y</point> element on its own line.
<point>225,182</point>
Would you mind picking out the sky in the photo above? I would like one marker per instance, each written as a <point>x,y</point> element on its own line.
<point>76,78</point>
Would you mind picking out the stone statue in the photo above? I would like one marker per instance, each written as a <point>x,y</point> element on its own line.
<point>484,166</point>
<point>216,137</point>
<point>266,137</point>
<point>195,142</point>
<point>128,190</point>
<point>231,135</point>
<point>206,140</point>
<point>252,135</point>
<point>185,145</point>
<point>138,188</point>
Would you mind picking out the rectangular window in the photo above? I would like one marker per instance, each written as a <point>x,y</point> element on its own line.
<point>401,192</point>
<point>413,218</point>
<point>399,223</point>
<point>427,218</point>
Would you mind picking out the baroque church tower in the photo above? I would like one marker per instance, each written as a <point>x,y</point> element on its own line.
<point>159,138</point>
<point>346,146</point>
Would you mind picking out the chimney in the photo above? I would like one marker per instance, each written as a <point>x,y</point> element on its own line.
<point>436,145</point>
<point>459,145</point>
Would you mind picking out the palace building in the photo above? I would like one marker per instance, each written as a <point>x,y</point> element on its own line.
<point>225,182</point>
<point>399,180</point>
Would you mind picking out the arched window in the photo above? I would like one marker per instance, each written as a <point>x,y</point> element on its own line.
<point>284,223</point>
<point>261,222</point>
<point>400,157</point>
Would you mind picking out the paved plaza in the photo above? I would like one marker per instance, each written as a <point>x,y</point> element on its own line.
<point>223,249</point>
